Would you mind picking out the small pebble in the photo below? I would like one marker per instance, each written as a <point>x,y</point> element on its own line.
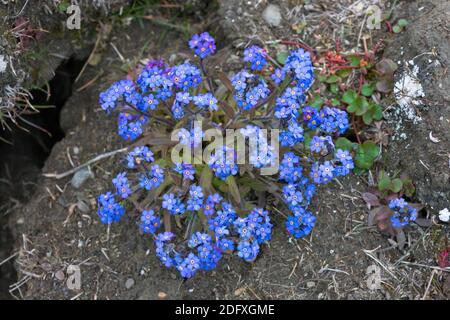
<point>60,275</point>
<point>80,177</point>
<point>162,295</point>
<point>272,15</point>
<point>46,266</point>
<point>310,284</point>
<point>239,291</point>
<point>129,283</point>
<point>83,206</point>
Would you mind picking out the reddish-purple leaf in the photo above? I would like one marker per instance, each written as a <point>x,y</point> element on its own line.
<point>378,214</point>
<point>226,81</point>
<point>383,213</point>
<point>386,67</point>
<point>371,199</point>
<point>229,111</point>
<point>391,196</point>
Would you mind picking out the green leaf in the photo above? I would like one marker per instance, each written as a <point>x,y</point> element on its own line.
<point>335,102</point>
<point>206,178</point>
<point>307,139</point>
<point>332,79</point>
<point>397,29</point>
<point>367,89</point>
<point>317,102</point>
<point>322,77</point>
<point>361,105</point>
<point>253,184</point>
<point>234,190</point>
<point>402,23</point>
<point>281,57</point>
<point>366,154</point>
<point>408,187</point>
<point>344,73</point>
<point>352,108</point>
<point>383,181</point>
<point>354,60</point>
<point>62,7</point>
<point>334,88</point>
<point>371,149</point>
<point>377,112</point>
<point>349,96</point>
<point>367,118</point>
<point>344,144</point>
<point>373,113</point>
<point>396,185</point>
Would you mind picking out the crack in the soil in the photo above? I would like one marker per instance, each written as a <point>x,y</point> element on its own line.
<point>21,162</point>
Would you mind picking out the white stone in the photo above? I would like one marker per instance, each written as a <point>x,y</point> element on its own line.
<point>444,215</point>
<point>3,64</point>
<point>272,15</point>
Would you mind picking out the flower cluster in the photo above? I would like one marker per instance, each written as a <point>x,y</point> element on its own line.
<point>173,204</point>
<point>205,199</point>
<point>186,170</point>
<point>203,45</point>
<point>293,135</point>
<point>223,163</point>
<point>249,89</point>
<point>256,57</point>
<point>138,156</point>
<point>403,214</point>
<point>122,186</point>
<point>149,221</point>
<point>298,71</point>
<point>203,253</point>
<point>152,178</point>
<point>156,85</point>
<point>261,154</point>
<point>109,210</point>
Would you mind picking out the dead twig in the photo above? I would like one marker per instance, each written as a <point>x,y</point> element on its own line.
<point>96,159</point>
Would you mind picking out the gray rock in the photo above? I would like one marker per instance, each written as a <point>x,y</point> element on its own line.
<point>272,15</point>
<point>129,283</point>
<point>60,275</point>
<point>80,177</point>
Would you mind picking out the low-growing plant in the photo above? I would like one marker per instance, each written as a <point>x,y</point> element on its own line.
<point>389,210</point>
<point>219,198</point>
<point>356,83</point>
<point>400,25</point>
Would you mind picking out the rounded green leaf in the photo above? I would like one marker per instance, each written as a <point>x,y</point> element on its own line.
<point>344,144</point>
<point>402,23</point>
<point>371,149</point>
<point>397,29</point>
<point>367,89</point>
<point>349,96</point>
<point>281,57</point>
<point>332,79</point>
<point>396,185</point>
<point>384,183</point>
